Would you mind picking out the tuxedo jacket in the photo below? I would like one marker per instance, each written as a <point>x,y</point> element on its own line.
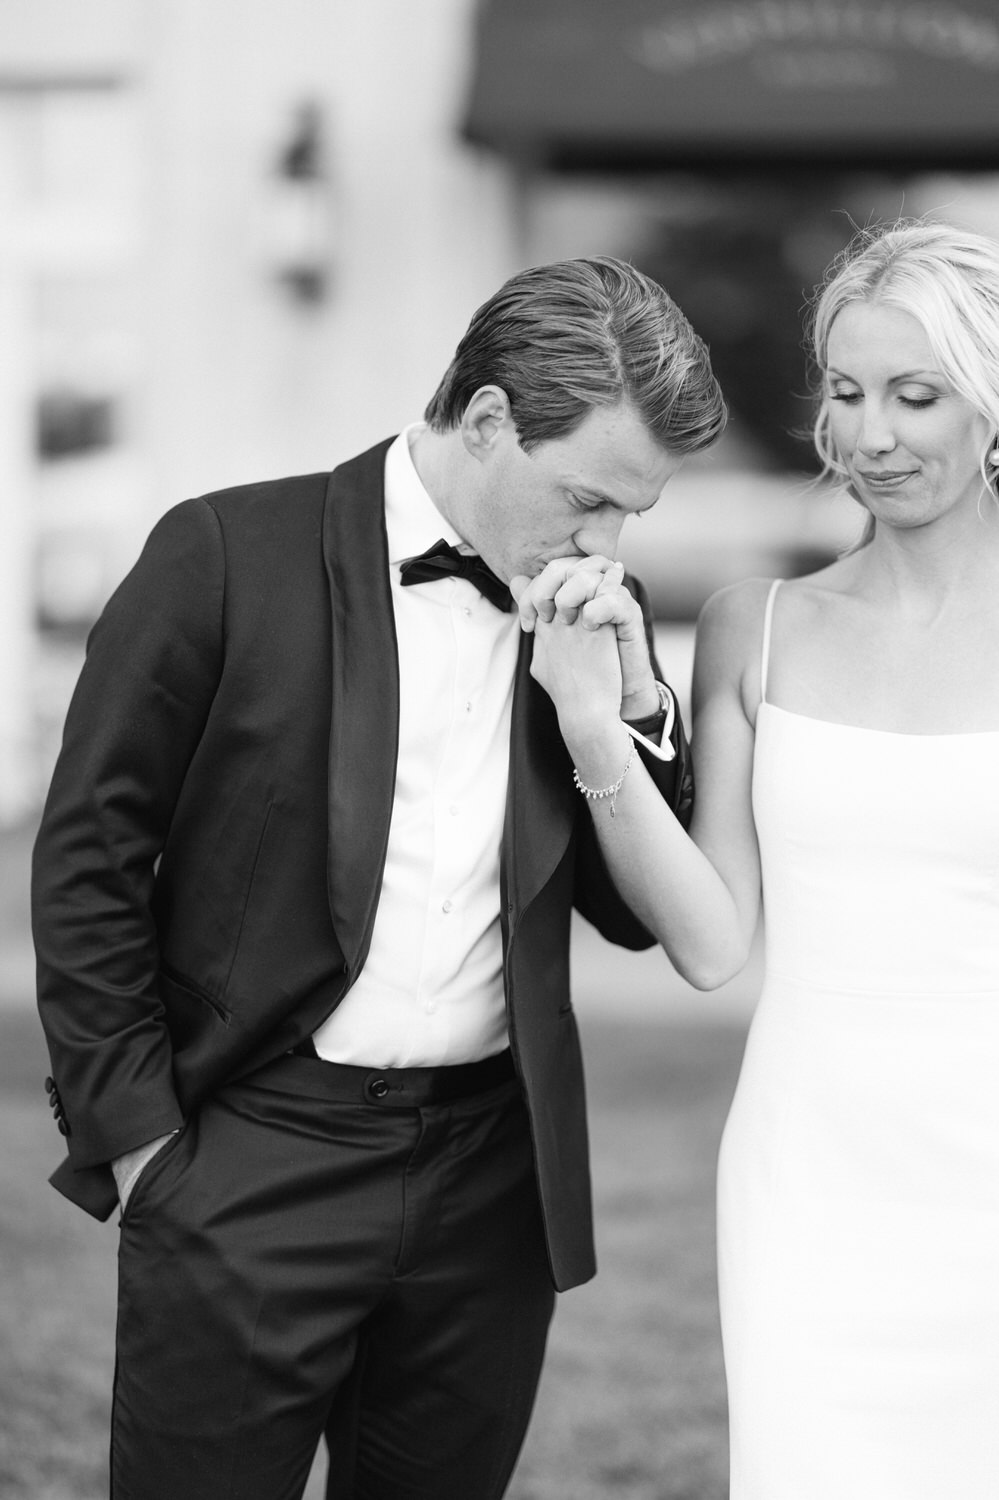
<point>208,865</point>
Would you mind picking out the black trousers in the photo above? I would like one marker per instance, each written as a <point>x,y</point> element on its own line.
<point>332,1249</point>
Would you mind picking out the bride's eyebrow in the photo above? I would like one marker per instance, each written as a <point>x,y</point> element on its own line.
<point>834,374</point>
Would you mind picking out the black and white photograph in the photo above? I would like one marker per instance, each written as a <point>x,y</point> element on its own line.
<point>499,749</point>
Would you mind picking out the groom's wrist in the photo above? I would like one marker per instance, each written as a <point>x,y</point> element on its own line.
<point>645,709</point>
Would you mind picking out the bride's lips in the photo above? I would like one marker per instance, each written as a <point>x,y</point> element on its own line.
<point>886,479</point>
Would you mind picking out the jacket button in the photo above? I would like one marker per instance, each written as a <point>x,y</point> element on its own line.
<point>63,1127</point>
<point>378,1088</point>
<point>50,1087</point>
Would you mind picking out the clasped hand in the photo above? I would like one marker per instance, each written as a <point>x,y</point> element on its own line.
<point>591,654</point>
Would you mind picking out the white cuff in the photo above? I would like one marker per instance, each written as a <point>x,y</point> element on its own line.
<point>665,750</point>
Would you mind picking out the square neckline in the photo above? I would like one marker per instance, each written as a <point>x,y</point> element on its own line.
<point>898,734</point>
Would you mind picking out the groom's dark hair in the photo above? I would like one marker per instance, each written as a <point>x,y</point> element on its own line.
<point>564,338</point>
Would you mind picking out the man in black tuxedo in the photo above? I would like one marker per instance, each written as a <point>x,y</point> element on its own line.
<point>301,899</point>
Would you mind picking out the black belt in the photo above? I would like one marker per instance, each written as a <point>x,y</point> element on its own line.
<point>408,1088</point>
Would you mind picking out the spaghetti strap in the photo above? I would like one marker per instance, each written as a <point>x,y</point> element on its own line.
<point>768,618</point>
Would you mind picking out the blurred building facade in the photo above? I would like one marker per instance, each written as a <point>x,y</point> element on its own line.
<point>238,240</point>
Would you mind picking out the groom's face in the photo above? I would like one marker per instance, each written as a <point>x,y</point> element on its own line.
<point>570,496</point>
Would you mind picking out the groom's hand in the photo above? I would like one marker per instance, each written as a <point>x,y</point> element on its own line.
<point>561,588</point>
<point>590,590</point>
<point>127,1169</point>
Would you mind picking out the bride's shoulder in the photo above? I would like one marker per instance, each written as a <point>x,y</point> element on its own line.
<point>740,608</point>
<point>728,636</point>
<point>735,610</point>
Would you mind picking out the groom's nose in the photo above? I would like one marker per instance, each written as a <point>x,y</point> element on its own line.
<point>599,533</point>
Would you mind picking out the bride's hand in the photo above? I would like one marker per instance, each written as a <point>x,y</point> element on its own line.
<point>579,666</point>
<point>590,591</point>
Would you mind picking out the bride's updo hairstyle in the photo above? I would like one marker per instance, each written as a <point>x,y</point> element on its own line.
<point>945,278</point>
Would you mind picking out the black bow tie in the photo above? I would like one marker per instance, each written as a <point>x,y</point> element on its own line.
<point>444,561</point>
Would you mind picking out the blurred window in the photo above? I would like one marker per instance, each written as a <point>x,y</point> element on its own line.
<point>70,197</point>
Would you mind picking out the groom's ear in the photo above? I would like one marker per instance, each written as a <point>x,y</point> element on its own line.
<point>487,422</point>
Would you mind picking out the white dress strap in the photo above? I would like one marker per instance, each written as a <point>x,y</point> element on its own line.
<point>768,618</point>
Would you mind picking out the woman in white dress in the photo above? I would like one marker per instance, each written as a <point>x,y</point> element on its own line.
<point>846,738</point>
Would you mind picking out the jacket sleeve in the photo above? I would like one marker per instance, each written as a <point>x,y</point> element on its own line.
<point>151,670</point>
<point>596,895</point>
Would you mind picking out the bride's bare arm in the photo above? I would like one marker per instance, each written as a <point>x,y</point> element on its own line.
<point>699,895</point>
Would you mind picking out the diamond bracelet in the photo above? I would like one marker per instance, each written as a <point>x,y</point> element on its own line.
<point>597,794</point>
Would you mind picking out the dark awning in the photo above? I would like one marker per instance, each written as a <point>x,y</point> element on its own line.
<point>660,83</point>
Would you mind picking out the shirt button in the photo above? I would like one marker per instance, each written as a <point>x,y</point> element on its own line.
<point>466,610</point>
<point>430,1006</point>
<point>446,906</point>
<point>453,810</point>
<point>468,706</point>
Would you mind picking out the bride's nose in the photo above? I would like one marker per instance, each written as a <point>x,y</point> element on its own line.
<point>876,433</point>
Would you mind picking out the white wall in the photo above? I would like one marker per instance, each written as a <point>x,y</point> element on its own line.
<point>242,382</point>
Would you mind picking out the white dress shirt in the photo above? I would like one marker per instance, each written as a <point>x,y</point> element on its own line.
<point>431,990</point>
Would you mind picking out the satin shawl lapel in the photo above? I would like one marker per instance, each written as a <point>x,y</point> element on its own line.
<point>540,806</point>
<point>364,728</point>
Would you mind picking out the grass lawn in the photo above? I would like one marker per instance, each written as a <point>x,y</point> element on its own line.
<point>632,1402</point>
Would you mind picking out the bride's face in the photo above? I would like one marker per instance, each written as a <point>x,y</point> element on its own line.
<point>910,442</point>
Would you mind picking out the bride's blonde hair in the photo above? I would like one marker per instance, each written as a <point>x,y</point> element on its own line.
<point>945,278</point>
